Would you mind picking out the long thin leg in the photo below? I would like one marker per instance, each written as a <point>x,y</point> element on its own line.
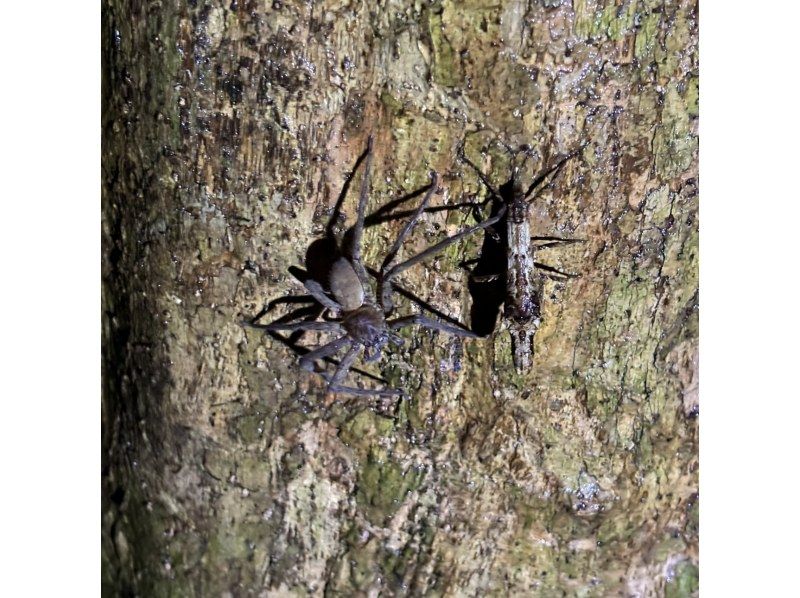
<point>289,327</point>
<point>430,323</point>
<point>480,174</point>
<point>358,230</point>
<point>337,210</point>
<point>366,392</point>
<point>386,216</point>
<point>441,245</point>
<point>291,300</point>
<point>335,381</point>
<point>553,270</point>
<point>382,214</point>
<point>333,347</point>
<point>548,171</point>
<point>318,293</point>
<point>345,365</point>
<point>424,305</point>
<point>292,344</point>
<point>390,255</point>
<point>556,241</point>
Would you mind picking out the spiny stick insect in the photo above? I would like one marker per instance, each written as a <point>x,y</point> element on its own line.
<point>519,286</point>
<point>364,322</point>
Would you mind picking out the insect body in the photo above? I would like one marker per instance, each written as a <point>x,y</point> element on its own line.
<point>364,321</point>
<point>519,287</point>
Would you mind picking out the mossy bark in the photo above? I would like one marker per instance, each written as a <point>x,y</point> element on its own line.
<point>228,131</point>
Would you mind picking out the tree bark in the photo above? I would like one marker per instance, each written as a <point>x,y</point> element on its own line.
<point>229,130</point>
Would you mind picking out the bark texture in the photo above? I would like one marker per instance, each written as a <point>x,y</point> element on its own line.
<point>229,129</point>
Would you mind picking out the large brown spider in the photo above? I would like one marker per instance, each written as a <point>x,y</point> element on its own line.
<point>362,321</point>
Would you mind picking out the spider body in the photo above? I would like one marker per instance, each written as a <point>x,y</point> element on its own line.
<point>367,326</point>
<point>345,285</point>
<point>364,322</point>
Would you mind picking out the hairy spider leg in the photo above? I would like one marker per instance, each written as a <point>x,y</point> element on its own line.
<point>426,322</point>
<point>358,229</point>
<point>384,282</point>
<point>331,348</point>
<point>433,250</point>
<point>335,381</point>
<point>319,294</point>
<point>330,229</point>
<point>366,392</point>
<point>400,290</point>
<point>292,326</point>
<point>390,255</point>
<point>300,351</point>
<point>291,300</point>
<point>385,214</point>
<point>344,366</point>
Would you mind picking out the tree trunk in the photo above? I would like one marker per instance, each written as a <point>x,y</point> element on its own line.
<point>229,130</point>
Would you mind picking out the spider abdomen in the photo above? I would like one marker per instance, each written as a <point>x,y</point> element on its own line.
<point>345,285</point>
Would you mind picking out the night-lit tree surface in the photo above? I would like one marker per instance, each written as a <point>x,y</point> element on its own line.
<point>229,132</point>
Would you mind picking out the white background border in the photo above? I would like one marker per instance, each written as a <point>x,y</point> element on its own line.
<point>750,298</point>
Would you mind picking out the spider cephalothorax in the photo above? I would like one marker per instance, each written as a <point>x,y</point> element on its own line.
<point>363,322</point>
<point>366,325</point>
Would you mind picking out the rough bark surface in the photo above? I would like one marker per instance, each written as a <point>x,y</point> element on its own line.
<point>229,131</point>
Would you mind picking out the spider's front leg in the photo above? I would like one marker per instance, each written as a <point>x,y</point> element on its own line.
<point>331,348</point>
<point>391,273</point>
<point>426,322</point>
<point>358,229</point>
<point>384,281</point>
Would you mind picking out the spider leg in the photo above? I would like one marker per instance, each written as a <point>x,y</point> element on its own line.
<point>555,273</point>
<point>382,215</point>
<point>307,360</point>
<point>344,365</point>
<point>434,249</point>
<point>290,327</point>
<point>318,293</point>
<point>480,174</point>
<point>430,323</point>
<point>291,300</point>
<point>424,305</point>
<point>548,171</point>
<point>373,353</point>
<point>554,241</point>
<point>330,229</point>
<point>358,229</point>
<point>366,392</point>
<point>334,382</point>
<point>309,313</point>
<point>390,255</point>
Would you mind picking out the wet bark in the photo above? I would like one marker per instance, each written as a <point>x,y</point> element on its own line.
<point>229,130</point>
